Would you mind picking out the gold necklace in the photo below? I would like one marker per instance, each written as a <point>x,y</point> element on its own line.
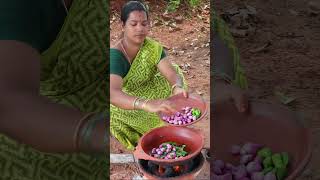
<point>125,52</point>
<point>64,5</point>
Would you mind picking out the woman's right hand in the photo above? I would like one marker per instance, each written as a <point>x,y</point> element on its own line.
<point>224,91</point>
<point>157,106</point>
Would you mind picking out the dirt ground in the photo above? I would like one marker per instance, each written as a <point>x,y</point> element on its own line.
<point>282,54</point>
<point>187,42</point>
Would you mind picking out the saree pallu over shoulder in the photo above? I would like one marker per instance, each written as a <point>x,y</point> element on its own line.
<point>74,68</point>
<point>143,80</point>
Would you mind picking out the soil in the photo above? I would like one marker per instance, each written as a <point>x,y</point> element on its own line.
<point>187,45</point>
<point>288,64</point>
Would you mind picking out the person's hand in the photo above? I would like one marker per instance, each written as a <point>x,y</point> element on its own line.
<point>178,90</point>
<point>224,91</point>
<point>157,106</point>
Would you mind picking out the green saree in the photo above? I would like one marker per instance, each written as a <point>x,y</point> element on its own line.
<point>222,30</point>
<point>74,73</point>
<point>145,81</point>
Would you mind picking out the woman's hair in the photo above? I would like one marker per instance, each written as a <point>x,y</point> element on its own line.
<point>132,6</point>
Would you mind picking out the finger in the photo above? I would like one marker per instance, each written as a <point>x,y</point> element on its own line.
<point>170,108</point>
<point>242,102</point>
<point>185,94</point>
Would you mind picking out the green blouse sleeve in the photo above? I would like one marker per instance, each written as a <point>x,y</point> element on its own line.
<point>163,54</point>
<point>34,22</point>
<point>118,64</point>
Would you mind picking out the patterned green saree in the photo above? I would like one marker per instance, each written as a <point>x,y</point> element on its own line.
<point>145,81</point>
<point>222,30</point>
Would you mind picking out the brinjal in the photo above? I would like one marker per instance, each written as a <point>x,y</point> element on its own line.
<point>253,167</point>
<point>246,158</point>
<point>257,176</point>
<point>270,176</point>
<point>251,148</point>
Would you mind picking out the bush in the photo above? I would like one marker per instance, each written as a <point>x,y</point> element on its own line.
<point>173,5</point>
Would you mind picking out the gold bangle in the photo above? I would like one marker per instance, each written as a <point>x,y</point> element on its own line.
<point>174,86</point>
<point>78,126</point>
<point>134,102</point>
<point>144,104</point>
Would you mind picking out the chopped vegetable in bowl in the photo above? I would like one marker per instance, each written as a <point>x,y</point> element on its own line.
<point>256,162</point>
<point>169,150</point>
<point>186,116</point>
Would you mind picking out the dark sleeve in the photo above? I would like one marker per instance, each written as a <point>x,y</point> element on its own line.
<point>118,64</point>
<point>29,22</point>
<point>163,54</point>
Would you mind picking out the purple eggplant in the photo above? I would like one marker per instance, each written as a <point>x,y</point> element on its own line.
<point>244,178</point>
<point>257,176</point>
<point>229,166</point>
<point>258,159</point>
<point>251,148</point>
<point>226,176</point>
<point>270,176</point>
<point>240,172</point>
<point>217,170</point>
<point>253,167</point>
<point>244,159</point>
<point>218,163</point>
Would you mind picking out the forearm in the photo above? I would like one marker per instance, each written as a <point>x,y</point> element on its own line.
<point>222,58</point>
<point>36,121</point>
<point>28,117</point>
<point>168,71</point>
<point>124,101</point>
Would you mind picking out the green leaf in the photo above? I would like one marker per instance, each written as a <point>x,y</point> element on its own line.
<point>281,173</point>
<point>277,160</point>
<point>267,162</point>
<point>264,152</point>
<point>285,158</point>
<point>266,170</point>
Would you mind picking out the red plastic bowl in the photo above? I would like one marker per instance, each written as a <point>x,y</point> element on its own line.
<point>274,126</point>
<point>194,101</point>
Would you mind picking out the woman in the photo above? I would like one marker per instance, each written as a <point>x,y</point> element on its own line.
<point>229,77</point>
<point>53,89</point>
<point>141,78</point>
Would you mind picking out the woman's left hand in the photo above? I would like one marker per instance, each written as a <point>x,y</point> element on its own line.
<point>178,90</point>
